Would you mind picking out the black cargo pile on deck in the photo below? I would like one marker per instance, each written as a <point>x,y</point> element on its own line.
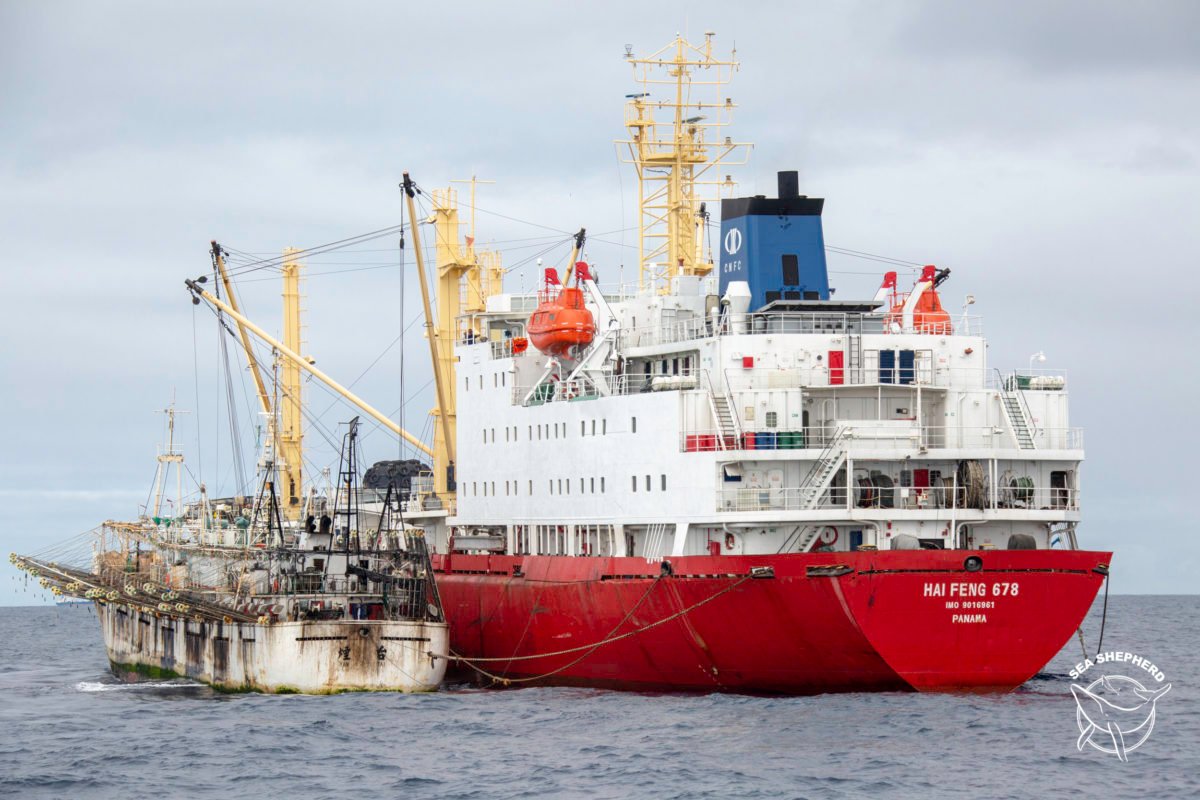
<point>397,473</point>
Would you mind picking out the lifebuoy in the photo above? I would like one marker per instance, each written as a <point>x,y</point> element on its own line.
<point>828,536</point>
<point>730,541</point>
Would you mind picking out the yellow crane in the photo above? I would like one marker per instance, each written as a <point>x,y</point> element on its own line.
<point>461,270</point>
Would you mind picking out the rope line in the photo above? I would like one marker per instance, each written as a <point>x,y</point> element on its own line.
<point>590,648</point>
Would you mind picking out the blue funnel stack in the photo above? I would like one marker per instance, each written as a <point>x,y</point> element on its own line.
<point>776,245</point>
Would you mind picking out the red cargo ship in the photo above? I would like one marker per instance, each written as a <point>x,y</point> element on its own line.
<point>723,478</point>
<point>793,624</point>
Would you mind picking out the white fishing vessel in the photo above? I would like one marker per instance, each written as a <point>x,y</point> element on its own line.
<point>299,592</point>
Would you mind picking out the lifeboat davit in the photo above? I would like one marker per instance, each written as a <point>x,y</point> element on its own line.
<point>561,320</point>
<point>928,316</point>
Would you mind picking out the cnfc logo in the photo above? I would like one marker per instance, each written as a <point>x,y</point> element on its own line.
<point>1115,713</point>
<point>733,241</point>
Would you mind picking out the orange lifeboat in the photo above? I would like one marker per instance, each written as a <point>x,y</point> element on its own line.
<point>561,320</point>
<point>928,314</point>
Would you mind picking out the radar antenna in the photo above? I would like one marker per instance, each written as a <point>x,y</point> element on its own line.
<point>674,156</point>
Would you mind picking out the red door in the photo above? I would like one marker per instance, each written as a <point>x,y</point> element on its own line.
<point>837,374</point>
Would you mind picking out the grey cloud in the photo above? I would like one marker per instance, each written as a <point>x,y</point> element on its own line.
<point>1045,153</point>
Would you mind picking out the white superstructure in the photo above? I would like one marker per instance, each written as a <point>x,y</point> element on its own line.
<point>722,431</point>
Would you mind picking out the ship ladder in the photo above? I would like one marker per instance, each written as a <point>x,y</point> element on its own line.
<point>819,477</point>
<point>1018,420</point>
<point>729,434</point>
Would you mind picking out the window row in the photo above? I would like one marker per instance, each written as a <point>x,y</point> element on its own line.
<point>633,480</point>
<point>553,430</point>
<point>512,488</point>
<point>499,381</point>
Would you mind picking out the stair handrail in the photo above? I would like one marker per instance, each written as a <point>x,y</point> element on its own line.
<point>1033,428</point>
<point>825,457</point>
<point>1027,415</point>
<point>733,416</point>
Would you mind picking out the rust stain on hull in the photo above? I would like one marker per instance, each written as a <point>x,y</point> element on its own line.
<point>312,657</point>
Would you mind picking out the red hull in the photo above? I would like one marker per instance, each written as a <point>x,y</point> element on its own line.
<point>884,623</point>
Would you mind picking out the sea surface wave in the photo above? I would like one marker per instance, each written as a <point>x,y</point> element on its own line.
<point>74,730</point>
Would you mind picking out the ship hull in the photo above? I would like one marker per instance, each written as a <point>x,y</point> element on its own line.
<point>809,623</point>
<point>311,657</point>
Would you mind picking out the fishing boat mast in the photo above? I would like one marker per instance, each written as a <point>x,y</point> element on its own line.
<point>290,461</point>
<point>165,460</point>
<point>306,364</point>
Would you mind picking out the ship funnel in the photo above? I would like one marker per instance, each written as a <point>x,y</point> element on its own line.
<point>789,184</point>
<point>775,245</point>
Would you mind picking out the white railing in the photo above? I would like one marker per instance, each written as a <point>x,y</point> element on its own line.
<point>865,437</point>
<point>869,374</point>
<point>735,499</point>
<point>581,389</point>
<point>1045,380</point>
<point>701,327</point>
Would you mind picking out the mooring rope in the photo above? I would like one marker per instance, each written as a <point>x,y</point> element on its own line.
<point>1103,615</point>
<point>589,648</point>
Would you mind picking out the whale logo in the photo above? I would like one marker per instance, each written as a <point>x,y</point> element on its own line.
<point>1115,714</point>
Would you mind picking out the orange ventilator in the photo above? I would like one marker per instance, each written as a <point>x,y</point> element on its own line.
<point>928,316</point>
<point>561,320</point>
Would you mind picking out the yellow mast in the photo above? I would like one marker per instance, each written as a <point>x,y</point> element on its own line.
<point>482,270</point>
<point>307,365</point>
<point>672,157</point>
<point>440,333</point>
<point>291,434</point>
<point>466,278</point>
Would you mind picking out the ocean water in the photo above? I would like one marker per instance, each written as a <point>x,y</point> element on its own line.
<point>68,729</point>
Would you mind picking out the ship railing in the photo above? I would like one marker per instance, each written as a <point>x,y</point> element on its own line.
<point>923,373</point>
<point>867,494</point>
<point>1036,380</point>
<point>407,594</point>
<point>865,437</point>
<point>779,322</point>
<point>581,389</point>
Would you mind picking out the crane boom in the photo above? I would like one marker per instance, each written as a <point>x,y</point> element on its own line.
<point>263,399</point>
<point>287,352</point>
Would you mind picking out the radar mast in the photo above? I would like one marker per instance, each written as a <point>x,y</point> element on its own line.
<point>675,152</point>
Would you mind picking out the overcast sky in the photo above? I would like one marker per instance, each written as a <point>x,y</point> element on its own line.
<point>1048,153</point>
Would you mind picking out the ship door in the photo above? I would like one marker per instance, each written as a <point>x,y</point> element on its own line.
<point>837,372</point>
<point>887,366</point>
<point>908,371</point>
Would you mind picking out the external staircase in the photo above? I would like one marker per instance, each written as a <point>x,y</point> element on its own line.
<point>832,458</point>
<point>1018,419</point>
